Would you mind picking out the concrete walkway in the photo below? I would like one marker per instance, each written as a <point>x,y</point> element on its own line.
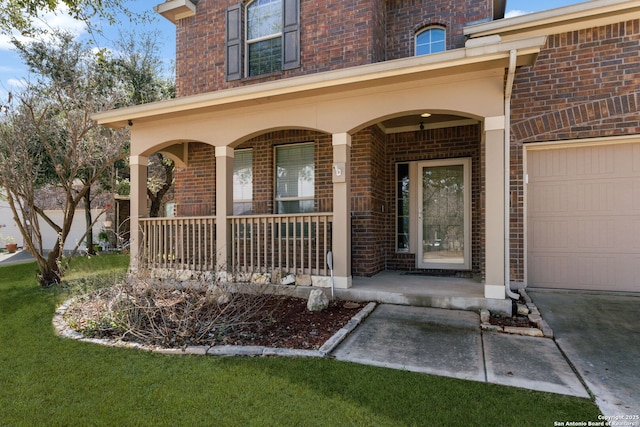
<point>600,334</point>
<point>19,257</point>
<point>451,343</point>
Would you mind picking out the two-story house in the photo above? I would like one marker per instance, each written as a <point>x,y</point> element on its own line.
<point>423,136</point>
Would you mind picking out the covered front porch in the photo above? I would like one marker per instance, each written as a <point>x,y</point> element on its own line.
<point>341,115</point>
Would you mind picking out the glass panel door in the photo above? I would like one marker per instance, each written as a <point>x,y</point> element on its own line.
<point>443,220</point>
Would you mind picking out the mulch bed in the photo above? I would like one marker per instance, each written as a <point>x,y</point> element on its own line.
<point>276,322</point>
<point>291,325</point>
<point>517,321</point>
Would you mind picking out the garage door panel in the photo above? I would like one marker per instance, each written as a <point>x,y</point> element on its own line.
<point>584,221</point>
<point>594,197</point>
<point>550,270</point>
<point>580,271</point>
<point>549,199</point>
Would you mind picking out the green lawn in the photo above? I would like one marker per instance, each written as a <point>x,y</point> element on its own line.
<point>50,381</point>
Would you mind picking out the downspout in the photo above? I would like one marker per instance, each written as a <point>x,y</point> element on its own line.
<point>507,172</point>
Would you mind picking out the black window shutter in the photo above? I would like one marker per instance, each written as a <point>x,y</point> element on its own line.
<point>291,34</point>
<point>234,42</point>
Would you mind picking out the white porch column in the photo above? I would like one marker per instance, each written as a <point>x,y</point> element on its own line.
<point>341,236</point>
<point>224,206</point>
<point>494,128</point>
<point>139,206</point>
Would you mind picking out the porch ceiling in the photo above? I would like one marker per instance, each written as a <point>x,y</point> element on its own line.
<point>452,66</point>
<point>416,121</point>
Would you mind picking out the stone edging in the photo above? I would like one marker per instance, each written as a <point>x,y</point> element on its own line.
<point>63,329</point>
<point>542,330</point>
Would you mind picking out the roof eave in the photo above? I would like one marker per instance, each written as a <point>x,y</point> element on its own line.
<point>453,62</point>
<point>553,21</point>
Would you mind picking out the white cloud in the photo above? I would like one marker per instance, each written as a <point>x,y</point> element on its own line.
<point>58,19</point>
<point>514,13</point>
<point>17,83</point>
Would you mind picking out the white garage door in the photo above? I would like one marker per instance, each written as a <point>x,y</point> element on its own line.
<point>583,208</point>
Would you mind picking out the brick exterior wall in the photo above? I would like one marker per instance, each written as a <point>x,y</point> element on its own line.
<point>333,35</point>
<point>195,185</point>
<point>405,18</point>
<point>369,203</point>
<point>584,84</point>
<point>373,162</point>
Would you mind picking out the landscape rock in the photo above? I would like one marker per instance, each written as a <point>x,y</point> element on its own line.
<point>532,332</point>
<point>289,279</point>
<point>485,316</point>
<point>523,310</point>
<point>276,276</point>
<point>218,295</point>
<point>303,280</point>
<point>261,278</point>
<point>535,318</point>
<point>321,281</point>
<point>318,301</point>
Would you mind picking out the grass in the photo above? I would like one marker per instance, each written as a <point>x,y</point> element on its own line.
<point>49,381</point>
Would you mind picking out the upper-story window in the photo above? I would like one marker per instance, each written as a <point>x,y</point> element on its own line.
<point>270,41</point>
<point>430,40</point>
<point>264,37</point>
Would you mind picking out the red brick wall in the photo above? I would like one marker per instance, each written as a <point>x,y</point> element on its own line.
<point>369,203</point>
<point>334,34</point>
<point>584,84</point>
<point>407,17</point>
<point>195,185</point>
<point>373,159</point>
<point>263,167</point>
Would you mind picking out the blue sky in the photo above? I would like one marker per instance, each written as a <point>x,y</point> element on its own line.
<point>12,72</point>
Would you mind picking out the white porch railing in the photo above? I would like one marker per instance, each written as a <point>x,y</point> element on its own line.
<point>186,243</point>
<point>296,243</point>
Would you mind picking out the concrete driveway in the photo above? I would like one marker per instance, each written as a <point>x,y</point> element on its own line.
<point>450,343</point>
<point>600,334</point>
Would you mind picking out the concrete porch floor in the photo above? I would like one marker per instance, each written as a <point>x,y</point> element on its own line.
<point>398,287</point>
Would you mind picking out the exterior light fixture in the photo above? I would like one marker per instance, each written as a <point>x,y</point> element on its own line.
<point>425,115</point>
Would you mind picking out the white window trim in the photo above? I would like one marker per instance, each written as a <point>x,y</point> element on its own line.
<point>425,29</point>
<point>248,42</point>
<point>251,199</point>
<point>277,199</point>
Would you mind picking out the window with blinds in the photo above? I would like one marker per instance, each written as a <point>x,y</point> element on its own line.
<point>295,170</point>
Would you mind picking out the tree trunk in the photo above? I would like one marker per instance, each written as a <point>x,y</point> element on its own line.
<point>89,221</point>
<point>154,209</point>
<point>50,271</point>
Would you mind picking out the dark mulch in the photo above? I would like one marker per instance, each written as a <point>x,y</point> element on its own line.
<point>288,324</point>
<point>517,321</point>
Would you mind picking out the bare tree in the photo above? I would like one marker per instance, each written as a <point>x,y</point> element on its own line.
<point>50,138</point>
<point>142,75</point>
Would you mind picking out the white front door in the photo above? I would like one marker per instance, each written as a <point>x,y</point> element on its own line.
<point>444,240</point>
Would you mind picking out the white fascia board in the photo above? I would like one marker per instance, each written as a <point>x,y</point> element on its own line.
<point>459,59</point>
<point>562,19</point>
